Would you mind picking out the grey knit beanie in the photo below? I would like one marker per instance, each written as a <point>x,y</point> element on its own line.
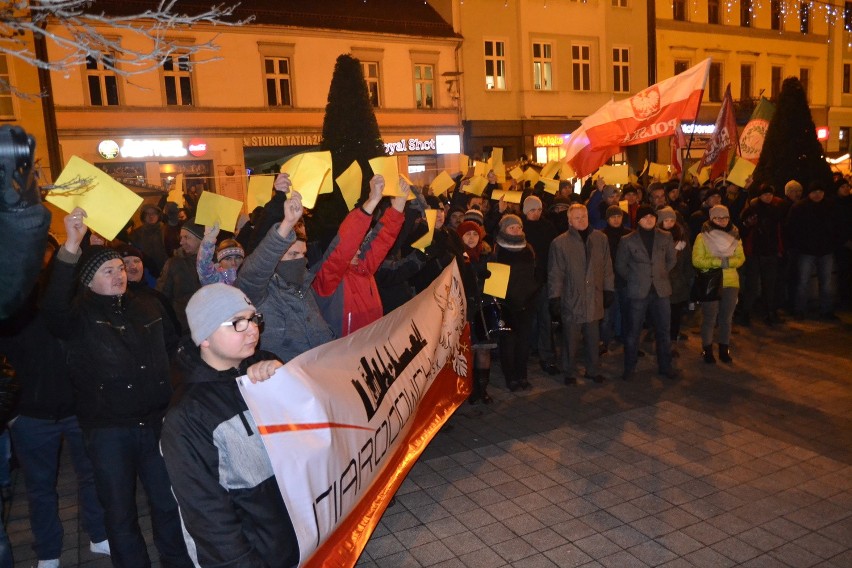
<point>665,213</point>
<point>92,259</point>
<point>211,306</point>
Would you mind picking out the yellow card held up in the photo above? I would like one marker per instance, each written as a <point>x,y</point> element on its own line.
<point>700,177</point>
<point>108,204</point>
<point>350,184</point>
<point>441,183</point>
<point>551,186</point>
<point>480,168</point>
<point>388,168</point>
<point>213,207</point>
<point>566,171</point>
<point>614,174</point>
<point>259,191</point>
<point>741,171</point>
<point>176,194</point>
<point>508,196</point>
<point>476,186</point>
<point>498,283</point>
<point>658,171</point>
<point>550,169</point>
<point>426,240</point>
<point>497,159</point>
<point>517,173</point>
<point>531,176</point>
<point>307,174</point>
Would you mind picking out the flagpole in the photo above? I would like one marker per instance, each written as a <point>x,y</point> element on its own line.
<point>688,147</point>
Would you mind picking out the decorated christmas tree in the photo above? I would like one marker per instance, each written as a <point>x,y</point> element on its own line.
<point>351,133</point>
<point>791,149</point>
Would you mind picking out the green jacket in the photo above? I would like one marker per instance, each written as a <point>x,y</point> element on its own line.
<point>702,259</point>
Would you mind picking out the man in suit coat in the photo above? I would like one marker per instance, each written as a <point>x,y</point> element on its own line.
<point>644,259</point>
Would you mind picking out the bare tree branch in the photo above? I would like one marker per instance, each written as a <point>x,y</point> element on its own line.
<point>84,32</point>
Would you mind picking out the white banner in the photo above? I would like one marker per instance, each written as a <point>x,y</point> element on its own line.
<point>345,422</point>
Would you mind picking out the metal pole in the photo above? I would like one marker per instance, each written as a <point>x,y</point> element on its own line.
<point>47,107</point>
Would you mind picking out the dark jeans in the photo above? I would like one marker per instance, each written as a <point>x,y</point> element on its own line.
<point>571,346</point>
<point>541,337</point>
<point>613,324</point>
<point>760,274</point>
<point>824,265</point>
<point>515,346</point>
<point>37,444</point>
<point>119,455</point>
<point>659,310</point>
<point>843,261</point>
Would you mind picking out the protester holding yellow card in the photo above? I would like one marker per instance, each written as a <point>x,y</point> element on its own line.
<point>498,282</point>
<point>741,172</point>
<point>108,204</point>
<point>442,183</point>
<point>507,196</point>
<point>476,185</point>
<point>426,240</point>
<point>349,183</point>
<point>307,174</point>
<point>259,191</point>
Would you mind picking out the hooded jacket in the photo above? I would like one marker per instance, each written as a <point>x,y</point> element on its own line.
<point>221,475</point>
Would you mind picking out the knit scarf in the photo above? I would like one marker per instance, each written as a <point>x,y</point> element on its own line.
<point>721,242</point>
<point>511,242</point>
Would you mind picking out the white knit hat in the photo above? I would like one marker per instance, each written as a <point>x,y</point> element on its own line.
<point>211,306</point>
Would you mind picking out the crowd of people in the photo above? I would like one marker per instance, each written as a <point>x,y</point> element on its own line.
<point>128,350</point>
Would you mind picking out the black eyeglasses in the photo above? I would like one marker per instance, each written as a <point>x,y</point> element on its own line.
<point>242,324</point>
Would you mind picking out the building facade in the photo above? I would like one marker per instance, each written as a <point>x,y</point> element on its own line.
<point>261,97</point>
<point>754,46</point>
<point>532,69</point>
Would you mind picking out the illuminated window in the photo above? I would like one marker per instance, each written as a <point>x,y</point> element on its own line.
<point>103,84</point>
<point>619,3</point>
<point>714,83</point>
<point>424,86</point>
<point>371,77</point>
<point>581,66</point>
<point>620,69</point>
<point>277,74</point>
<point>804,18</point>
<point>843,135</point>
<point>495,65</point>
<point>542,67</point>
<point>177,80</point>
<point>7,110</point>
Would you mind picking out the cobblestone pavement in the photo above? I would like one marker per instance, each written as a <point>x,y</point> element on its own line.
<point>748,464</point>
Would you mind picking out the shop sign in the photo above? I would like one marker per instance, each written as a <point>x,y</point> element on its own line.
<point>166,148</point>
<point>409,145</point>
<point>550,140</point>
<point>197,147</point>
<point>282,140</point>
<point>698,129</point>
<point>822,133</point>
<point>108,149</point>
<point>448,144</point>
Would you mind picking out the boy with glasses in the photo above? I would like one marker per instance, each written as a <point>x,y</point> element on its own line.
<point>229,500</point>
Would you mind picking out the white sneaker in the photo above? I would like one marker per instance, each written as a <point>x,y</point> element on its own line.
<point>54,563</point>
<point>101,547</point>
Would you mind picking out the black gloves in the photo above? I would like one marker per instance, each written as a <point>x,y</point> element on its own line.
<point>609,298</point>
<point>555,307</point>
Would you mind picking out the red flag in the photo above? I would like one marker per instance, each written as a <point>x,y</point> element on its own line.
<point>650,114</point>
<point>724,137</point>
<point>583,158</point>
<point>678,143</point>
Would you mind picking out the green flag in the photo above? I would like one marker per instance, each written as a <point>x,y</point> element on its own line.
<point>754,133</point>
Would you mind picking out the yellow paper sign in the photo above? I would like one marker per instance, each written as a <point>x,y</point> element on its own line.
<point>566,171</point>
<point>108,204</point>
<point>508,196</point>
<point>214,208</point>
<point>387,167</point>
<point>531,175</point>
<point>176,194</point>
<point>645,167</point>
<point>614,174</point>
<point>441,183</point>
<point>517,173</point>
<point>550,169</point>
<point>497,159</point>
<point>476,186</point>
<point>480,168</point>
<point>659,171</point>
<point>497,284</point>
<point>740,172</point>
<point>307,174</point>
<point>350,184</point>
<point>624,206</point>
<point>259,191</point>
<point>700,177</point>
<point>426,240</point>
<point>551,186</point>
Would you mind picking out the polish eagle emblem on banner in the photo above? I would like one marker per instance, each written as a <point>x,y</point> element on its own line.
<point>646,103</point>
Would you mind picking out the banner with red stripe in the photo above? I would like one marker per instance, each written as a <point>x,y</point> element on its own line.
<point>344,423</point>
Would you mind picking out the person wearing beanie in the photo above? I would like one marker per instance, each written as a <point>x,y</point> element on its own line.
<point>719,246</point>
<point>711,198</point>
<point>644,261</point>
<point>511,248</point>
<point>221,475</point>
<point>609,198</point>
<point>540,233</point>
<point>814,235</point>
<point>760,230</point>
<point>179,278</point>
<point>229,258</point>
<point>580,285</point>
<point>682,274</point>
<point>474,273</point>
<point>614,324</point>
<point>150,238</point>
<point>140,282</point>
<point>118,347</point>
<point>630,192</point>
<point>474,215</point>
